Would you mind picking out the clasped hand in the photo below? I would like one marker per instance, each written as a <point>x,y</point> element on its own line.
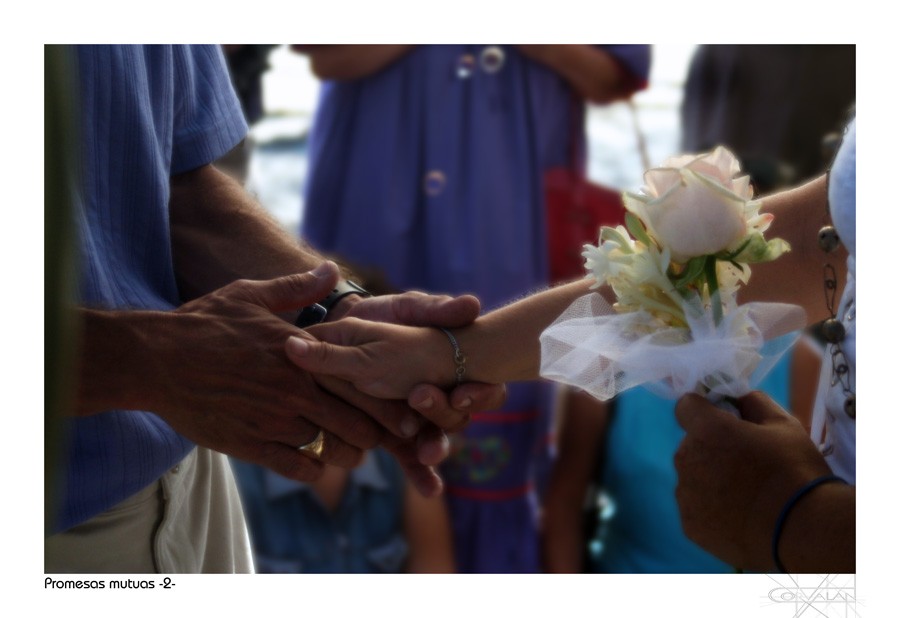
<point>735,474</point>
<point>228,384</point>
<point>381,360</point>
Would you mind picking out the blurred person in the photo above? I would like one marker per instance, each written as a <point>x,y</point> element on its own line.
<point>368,519</point>
<point>620,459</point>
<point>801,493</point>
<point>771,105</point>
<point>426,163</point>
<point>775,107</point>
<point>246,66</point>
<point>178,360</point>
<point>781,107</point>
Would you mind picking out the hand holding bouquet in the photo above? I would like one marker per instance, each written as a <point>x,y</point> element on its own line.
<point>691,235</point>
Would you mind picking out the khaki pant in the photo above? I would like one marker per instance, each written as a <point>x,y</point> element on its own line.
<point>189,521</point>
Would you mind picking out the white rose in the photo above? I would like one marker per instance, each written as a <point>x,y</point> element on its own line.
<point>695,205</point>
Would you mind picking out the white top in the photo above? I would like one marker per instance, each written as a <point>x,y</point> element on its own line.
<point>839,444</point>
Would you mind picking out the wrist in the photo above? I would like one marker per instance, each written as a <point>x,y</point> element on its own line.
<point>437,362</point>
<point>818,530</point>
<point>118,358</point>
<point>458,357</point>
<point>338,304</point>
<point>342,308</point>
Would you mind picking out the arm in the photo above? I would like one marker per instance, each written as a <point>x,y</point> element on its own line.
<point>796,277</point>
<point>209,368</point>
<point>504,345</point>
<point>734,477</point>
<point>221,234</point>
<point>582,425</point>
<point>387,360</point>
<point>593,73</point>
<point>426,525</point>
<point>348,62</point>
<point>214,369</point>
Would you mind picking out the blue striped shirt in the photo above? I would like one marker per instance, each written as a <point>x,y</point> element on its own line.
<point>146,112</point>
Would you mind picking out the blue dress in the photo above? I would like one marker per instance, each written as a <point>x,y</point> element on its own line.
<point>430,170</point>
<point>642,532</point>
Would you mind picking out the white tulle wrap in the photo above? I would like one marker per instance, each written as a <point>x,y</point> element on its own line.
<point>602,352</point>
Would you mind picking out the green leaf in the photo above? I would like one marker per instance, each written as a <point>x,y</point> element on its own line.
<point>731,255</point>
<point>693,270</point>
<point>636,227</point>
<point>757,249</point>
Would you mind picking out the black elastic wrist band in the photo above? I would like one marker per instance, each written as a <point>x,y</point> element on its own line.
<point>789,505</point>
<point>317,312</point>
<point>343,288</point>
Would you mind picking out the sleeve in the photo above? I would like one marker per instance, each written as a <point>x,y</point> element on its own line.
<point>208,117</point>
<point>634,61</point>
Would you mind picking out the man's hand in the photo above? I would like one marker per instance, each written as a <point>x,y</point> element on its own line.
<point>411,309</point>
<point>449,412</point>
<point>216,371</point>
<point>735,475</point>
<point>382,360</point>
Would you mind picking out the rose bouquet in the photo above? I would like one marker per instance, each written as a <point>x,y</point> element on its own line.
<point>675,269</point>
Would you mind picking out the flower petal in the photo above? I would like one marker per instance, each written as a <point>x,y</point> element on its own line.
<point>661,180</point>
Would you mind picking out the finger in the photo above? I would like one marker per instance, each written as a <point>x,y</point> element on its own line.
<point>341,419</point>
<point>759,408</point>
<point>432,445</point>
<point>334,450</point>
<point>691,409</point>
<point>295,291</point>
<point>478,397</point>
<point>395,416</point>
<point>423,477</point>
<point>418,309</point>
<point>434,404</point>
<point>320,357</point>
<point>289,462</point>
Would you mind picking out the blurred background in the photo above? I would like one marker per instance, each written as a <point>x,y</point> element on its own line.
<point>277,165</point>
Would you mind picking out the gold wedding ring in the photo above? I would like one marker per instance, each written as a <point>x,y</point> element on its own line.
<point>316,447</point>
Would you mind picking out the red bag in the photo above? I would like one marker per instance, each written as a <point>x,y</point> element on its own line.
<point>576,209</point>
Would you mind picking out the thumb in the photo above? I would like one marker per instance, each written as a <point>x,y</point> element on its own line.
<point>689,409</point>
<point>759,408</point>
<point>295,291</point>
<point>320,357</point>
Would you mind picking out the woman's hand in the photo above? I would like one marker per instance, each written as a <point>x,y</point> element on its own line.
<point>382,360</point>
<point>593,73</point>
<point>348,62</point>
<point>734,476</point>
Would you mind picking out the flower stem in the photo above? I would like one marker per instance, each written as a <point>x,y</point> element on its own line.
<point>651,303</point>
<point>712,283</point>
